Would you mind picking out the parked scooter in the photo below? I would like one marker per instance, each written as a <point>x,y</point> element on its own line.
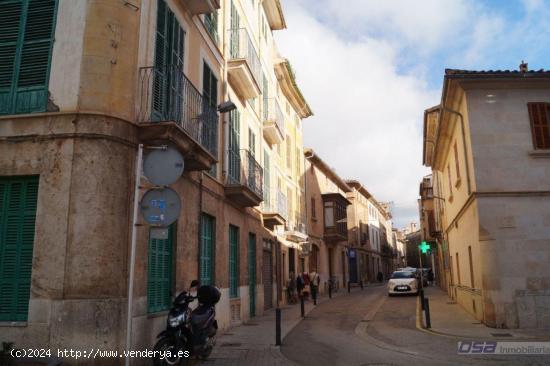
<point>189,333</point>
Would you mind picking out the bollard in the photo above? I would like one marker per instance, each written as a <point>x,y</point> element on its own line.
<point>421,293</point>
<point>302,310</point>
<point>278,326</point>
<point>330,291</point>
<point>361,283</point>
<point>427,313</point>
<point>349,286</point>
<point>314,295</point>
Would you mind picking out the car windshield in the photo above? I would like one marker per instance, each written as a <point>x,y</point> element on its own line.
<point>402,275</point>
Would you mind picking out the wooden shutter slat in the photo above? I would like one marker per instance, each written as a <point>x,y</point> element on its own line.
<point>18,200</point>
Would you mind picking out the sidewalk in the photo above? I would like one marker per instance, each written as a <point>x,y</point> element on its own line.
<point>253,343</point>
<point>450,319</point>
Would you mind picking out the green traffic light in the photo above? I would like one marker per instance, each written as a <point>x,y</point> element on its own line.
<point>424,247</point>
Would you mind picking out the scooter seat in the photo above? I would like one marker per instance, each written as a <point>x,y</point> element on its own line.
<point>201,315</point>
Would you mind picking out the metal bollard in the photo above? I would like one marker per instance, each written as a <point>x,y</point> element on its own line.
<point>330,291</point>
<point>302,310</point>
<point>427,313</point>
<point>278,326</point>
<point>361,283</point>
<point>314,295</point>
<point>349,286</point>
<point>421,292</point>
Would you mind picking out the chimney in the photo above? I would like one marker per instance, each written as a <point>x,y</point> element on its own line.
<point>523,67</point>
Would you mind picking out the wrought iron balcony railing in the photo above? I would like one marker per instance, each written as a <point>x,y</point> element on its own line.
<point>272,112</point>
<point>244,170</point>
<point>241,47</point>
<point>165,94</point>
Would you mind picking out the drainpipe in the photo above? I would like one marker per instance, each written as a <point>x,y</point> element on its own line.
<point>199,216</point>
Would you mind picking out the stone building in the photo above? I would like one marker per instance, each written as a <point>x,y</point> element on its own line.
<point>87,81</point>
<point>488,145</point>
<point>327,227</point>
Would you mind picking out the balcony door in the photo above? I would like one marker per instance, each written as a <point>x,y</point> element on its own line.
<point>234,146</point>
<point>168,70</point>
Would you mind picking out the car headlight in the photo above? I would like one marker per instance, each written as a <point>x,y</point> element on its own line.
<point>412,283</point>
<point>175,321</point>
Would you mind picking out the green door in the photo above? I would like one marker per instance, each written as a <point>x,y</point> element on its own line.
<point>252,272</point>
<point>159,273</point>
<point>208,258</point>
<point>18,199</point>
<point>233,261</point>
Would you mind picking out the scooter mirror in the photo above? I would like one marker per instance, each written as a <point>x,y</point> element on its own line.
<point>194,283</point>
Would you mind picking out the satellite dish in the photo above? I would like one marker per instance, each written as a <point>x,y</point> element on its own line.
<point>163,167</point>
<point>160,206</point>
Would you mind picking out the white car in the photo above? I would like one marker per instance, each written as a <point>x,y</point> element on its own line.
<point>402,282</point>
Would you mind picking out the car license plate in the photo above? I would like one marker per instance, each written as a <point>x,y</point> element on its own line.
<point>401,287</point>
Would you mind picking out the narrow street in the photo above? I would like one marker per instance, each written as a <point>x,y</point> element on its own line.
<point>369,328</point>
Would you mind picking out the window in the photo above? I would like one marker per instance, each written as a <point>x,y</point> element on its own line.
<point>26,37</point>
<point>251,142</point>
<point>288,152</point>
<point>450,183</point>
<point>472,282</point>
<point>233,158</point>
<point>267,181</point>
<point>211,24</point>
<point>329,214</point>
<point>233,261</point>
<point>159,273</point>
<point>208,247</point>
<point>169,47</point>
<point>313,209</point>
<point>18,201</point>
<point>458,269</point>
<point>210,95</point>
<point>456,162</point>
<point>539,114</point>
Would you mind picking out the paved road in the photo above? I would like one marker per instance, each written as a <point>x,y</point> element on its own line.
<point>368,328</point>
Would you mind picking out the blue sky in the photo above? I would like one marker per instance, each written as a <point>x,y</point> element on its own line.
<point>369,69</point>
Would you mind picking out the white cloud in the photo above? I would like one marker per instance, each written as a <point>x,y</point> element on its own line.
<point>364,68</point>
<point>367,122</point>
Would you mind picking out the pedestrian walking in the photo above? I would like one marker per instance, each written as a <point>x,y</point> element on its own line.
<point>291,289</point>
<point>315,279</point>
<point>430,277</point>
<point>300,285</point>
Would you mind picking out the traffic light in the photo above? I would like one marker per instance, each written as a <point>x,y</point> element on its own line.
<point>424,247</point>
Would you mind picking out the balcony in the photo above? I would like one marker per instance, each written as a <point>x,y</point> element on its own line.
<point>244,179</point>
<point>171,110</point>
<point>275,209</point>
<point>274,122</point>
<point>335,215</point>
<point>296,230</point>
<point>274,13</point>
<point>243,66</point>
<point>201,6</point>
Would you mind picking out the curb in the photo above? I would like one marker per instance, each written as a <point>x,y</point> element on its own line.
<point>420,326</point>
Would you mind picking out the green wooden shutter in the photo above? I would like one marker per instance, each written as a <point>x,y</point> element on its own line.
<point>267,181</point>
<point>234,160</point>
<point>207,255</point>
<point>234,39</point>
<point>26,39</point>
<point>233,261</point>
<point>252,273</point>
<point>159,273</point>
<point>10,23</point>
<point>18,200</point>
<point>169,57</point>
